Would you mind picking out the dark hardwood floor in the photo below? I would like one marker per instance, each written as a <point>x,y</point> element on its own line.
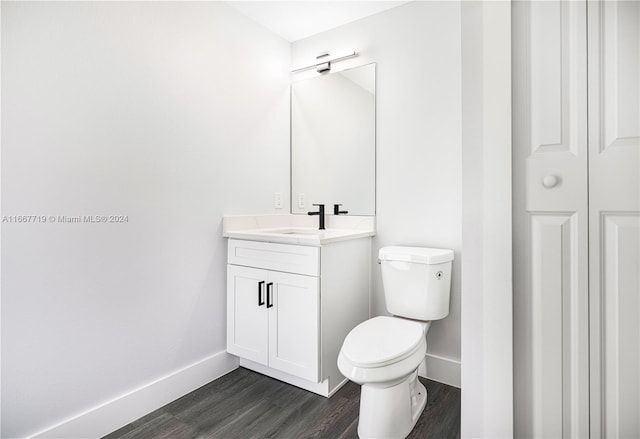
<point>244,404</point>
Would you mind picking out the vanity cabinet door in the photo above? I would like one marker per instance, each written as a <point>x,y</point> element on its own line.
<point>294,324</point>
<point>247,319</point>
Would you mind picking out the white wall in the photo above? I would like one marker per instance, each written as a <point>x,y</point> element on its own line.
<point>164,112</point>
<point>417,48</point>
<point>487,353</point>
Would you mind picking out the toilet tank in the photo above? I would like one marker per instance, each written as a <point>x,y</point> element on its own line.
<point>416,281</point>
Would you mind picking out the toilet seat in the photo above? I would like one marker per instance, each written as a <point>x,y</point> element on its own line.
<point>382,341</point>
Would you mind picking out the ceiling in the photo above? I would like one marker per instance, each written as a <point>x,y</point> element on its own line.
<point>294,20</point>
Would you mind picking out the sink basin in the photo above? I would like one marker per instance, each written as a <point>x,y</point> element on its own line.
<point>306,231</point>
<point>299,232</point>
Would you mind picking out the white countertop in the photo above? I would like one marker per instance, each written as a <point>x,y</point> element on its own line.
<point>297,229</point>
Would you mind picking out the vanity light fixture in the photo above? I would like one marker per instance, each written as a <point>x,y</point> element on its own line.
<point>323,62</point>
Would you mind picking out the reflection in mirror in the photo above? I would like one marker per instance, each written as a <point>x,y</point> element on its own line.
<point>333,141</point>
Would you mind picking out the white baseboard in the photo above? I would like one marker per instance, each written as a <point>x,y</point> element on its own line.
<point>441,369</point>
<point>111,415</point>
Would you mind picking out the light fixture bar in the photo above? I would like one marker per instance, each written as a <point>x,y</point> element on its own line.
<point>324,60</point>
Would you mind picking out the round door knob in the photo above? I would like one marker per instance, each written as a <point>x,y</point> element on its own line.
<point>550,181</point>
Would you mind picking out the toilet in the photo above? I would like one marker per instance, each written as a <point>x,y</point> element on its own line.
<point>383,354</point>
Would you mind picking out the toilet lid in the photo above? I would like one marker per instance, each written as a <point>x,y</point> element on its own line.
<point>381,341</point>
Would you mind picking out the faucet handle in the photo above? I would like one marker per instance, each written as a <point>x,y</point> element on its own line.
<point>337,211</point>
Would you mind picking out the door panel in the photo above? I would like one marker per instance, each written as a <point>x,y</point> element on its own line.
<point>620,312</point>
<point>614,205</point>
<point>293,325</point>
<point>555,77</point>
<point>551,380</point>
<point>247,334</point>
<point>619,80</point>
<point>568,384</point>
<point>559,382</point>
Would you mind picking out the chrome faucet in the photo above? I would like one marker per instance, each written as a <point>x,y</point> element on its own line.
<point>337,211</point>
<point>320,214</point>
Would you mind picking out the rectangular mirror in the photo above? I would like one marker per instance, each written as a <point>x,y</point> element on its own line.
<point>333,141</point>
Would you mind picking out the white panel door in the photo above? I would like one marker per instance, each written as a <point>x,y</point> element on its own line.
<point>551,346</point>
<point>553,88</point>
<point>614,205</point>
<point>247,318</point>
<point>293,302</point>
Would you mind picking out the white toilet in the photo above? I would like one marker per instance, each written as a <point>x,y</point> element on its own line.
<point>383,353</point>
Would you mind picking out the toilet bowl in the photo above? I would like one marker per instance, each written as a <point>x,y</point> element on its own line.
<point>383,354</point>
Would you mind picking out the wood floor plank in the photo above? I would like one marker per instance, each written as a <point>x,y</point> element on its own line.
<point>267,417</point>
<point>333,423</point>
<point>218,409</point>
<point>244,404</point>
<point>163,426</point>
<point>441,417</point>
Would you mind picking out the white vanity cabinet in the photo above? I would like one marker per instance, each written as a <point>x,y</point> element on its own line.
<point>273,319</point>
<point>289,307</point>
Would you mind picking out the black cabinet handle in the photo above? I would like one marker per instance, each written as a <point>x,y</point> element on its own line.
<point>270,295</point>
<point>260,289</point>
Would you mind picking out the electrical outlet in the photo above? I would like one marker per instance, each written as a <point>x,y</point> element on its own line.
<point>301,201</point>
<point>278,200</point>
